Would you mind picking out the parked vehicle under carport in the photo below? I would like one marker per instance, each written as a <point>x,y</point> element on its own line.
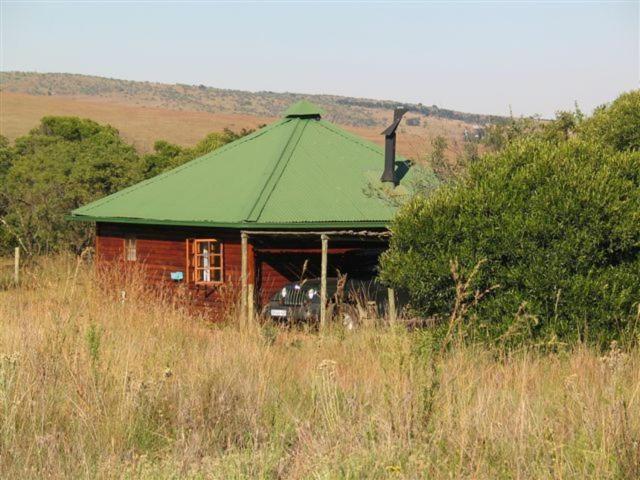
<point>300,301</point>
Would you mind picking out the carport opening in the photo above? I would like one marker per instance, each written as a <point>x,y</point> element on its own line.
<point>286,257</point>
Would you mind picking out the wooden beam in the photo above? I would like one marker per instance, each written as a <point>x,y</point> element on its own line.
<point>308,251</point>
<point>323,281</point>
<point>244,238</point>
<point>294,233</point>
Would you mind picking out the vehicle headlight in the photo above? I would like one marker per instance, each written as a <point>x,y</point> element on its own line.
<point>311,293</point>
<point>283,292</point>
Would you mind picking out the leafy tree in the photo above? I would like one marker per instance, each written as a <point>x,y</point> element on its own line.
<point>6,160</point>
<point>167,155</point>
<point>499,135</point>
<point>437,158</point>
<point>562,127</point>
<point>66,162</point>
<point>553,219</point>
<point>6,156</point>
<point>60,165</point>
<point>163,158</point>
<point>470,152</point>
<point>616,125</point>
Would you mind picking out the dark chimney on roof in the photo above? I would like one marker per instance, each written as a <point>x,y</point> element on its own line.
<point>390,147</point>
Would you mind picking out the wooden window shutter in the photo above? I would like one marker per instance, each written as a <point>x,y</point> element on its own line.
<point>190,254</point>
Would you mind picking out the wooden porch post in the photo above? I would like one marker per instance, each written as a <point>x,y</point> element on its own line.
<point>244,239</point>
<point>250,304</point>
<point>323,281</point>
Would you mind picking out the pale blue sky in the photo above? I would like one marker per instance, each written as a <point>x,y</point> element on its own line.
<point>538,57</point>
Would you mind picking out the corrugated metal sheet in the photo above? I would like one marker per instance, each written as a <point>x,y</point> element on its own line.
<point>299,170</point>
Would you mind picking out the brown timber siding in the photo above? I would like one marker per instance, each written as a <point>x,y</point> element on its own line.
<point>162,250</point>
<point>271,264</point>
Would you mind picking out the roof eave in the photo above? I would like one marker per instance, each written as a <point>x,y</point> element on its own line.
<point>235,225</point>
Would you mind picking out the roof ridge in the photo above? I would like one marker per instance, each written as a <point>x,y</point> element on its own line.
<point>303,109</point>
<point>277,170</point>
<point>190,163</point>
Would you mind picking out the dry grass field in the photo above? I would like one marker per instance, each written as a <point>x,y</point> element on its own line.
<point>142,125</point>
<point>139,125</point>
<point>93,386</point>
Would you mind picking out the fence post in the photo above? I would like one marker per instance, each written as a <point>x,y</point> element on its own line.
<point>323,281</point>
<point>16,265</point>
<point>392,306</point>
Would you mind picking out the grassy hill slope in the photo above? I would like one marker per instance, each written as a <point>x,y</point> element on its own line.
<point>145,112</point>
<point>360,112</point>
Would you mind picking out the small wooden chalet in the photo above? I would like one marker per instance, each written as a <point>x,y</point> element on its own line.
<point>299,196</point>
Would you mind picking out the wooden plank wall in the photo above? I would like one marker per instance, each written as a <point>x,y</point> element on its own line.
<point>272,263</point>
<point>162,250</point>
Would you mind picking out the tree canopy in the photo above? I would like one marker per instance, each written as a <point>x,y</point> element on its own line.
<point>167,155</point>
<point>66,162</point>
<point>551,220</point>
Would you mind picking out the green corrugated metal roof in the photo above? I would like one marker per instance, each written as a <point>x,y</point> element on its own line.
<point>298,172</point>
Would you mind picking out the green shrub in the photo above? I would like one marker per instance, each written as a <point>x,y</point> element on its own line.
<point>557,224</point>
<point>617,125</point>
<point>66,162</point>
<point>63,163</point>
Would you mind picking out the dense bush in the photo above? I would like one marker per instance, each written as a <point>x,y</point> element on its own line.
<point>555,221</point>
<point>167,155</point>
<point>66,162</point>
<point>617,125</point>
<point>60,165</point>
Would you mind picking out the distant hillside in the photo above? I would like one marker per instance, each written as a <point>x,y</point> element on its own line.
<point>358,112</point>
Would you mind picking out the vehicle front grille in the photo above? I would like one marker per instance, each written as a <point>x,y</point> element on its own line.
<point>294,297</point>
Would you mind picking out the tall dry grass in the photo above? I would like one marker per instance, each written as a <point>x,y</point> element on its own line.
<point>94,386</point>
